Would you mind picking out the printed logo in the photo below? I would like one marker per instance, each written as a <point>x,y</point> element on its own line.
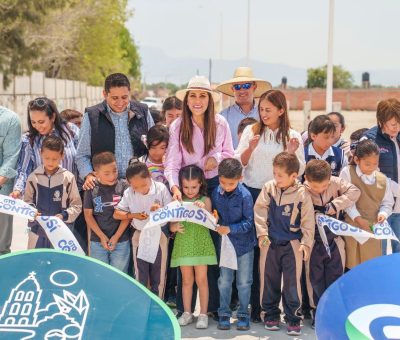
<point>57,196</point>
<point>383,150</point>
<point>359,323</point>
<point>59,317</point>
<point>98,204</point>
<point>333,165</point>
<point>286,210</point>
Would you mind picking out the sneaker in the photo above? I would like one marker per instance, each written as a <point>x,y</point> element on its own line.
<point>243,323</point>
<point>293,329</point>
<point>224,323</point>
<point>313,324</point>
<point>171,302</point>
<point>271,325</point>
<point>202,321</point>
<point>185,319</point>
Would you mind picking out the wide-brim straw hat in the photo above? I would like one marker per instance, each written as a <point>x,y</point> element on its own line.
<point>198,83</point>
<point>244,75</point>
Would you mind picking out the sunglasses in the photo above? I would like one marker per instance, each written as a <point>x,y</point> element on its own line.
<point>244,86</point>
<point>38,102</point>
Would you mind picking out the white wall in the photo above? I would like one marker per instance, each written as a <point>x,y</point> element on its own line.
<point>68,94</point>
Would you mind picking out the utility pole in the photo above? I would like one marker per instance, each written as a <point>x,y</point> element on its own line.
<point>329,77</point>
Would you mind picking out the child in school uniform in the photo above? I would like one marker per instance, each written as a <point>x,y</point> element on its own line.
<point>321,137</point>
<point>52,190</point>
<point>330,196</point>
<point>374,205</point>
<point>143,196</point>
<point>284,219</point>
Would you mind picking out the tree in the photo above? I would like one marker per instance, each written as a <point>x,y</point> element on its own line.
<point>17,17</point>
<point>316,77</point>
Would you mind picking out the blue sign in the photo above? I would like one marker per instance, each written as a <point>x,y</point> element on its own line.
<point>363,304</point>
<point>48,294</point>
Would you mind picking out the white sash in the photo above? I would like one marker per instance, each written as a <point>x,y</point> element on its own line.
<point>181,212</point>
<point>59,234</point>
<point>381,231</point>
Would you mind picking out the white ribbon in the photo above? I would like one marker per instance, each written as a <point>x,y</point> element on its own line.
<point>181,212</point>
<point>60,236</point>
<point>381,231</point>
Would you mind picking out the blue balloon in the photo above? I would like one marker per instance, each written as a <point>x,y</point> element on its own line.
<point>363,304</point>
<point>57,295</point>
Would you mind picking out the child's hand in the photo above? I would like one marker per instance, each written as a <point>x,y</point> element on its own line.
<point>263,241</point>
<point>155,206</point>
<point>306,251</point>
<point>330,210</point>
<point>140,216</point>
<point>223,230</point>
<point>16,194</point>
<point>215,214</point>
<point>59,216</point>
<point>253,142</point>
<point>293,145</point>
<point>362,223</point>
<point>381,218</point>
<point>176,194</point>
<point>210,164</point>
<point>104,242</point>
<point>200,204</point>
<point>177,228</point>
<point>112,243</point>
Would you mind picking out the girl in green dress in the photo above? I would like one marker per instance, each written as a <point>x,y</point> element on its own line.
<point>193,247</point>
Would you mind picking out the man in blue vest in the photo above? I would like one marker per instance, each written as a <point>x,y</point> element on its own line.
<point>116,125</point>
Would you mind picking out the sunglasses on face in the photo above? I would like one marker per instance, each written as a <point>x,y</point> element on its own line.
<point>244,86</point>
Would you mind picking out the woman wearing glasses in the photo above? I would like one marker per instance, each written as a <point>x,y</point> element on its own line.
<point>43,120</point>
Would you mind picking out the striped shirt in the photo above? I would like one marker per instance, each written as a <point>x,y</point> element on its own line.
<point>29,157</point>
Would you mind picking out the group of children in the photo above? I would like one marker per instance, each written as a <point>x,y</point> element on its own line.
<point>281,221</point>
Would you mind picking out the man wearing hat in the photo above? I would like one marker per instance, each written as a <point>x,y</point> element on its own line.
<point>244,88</point>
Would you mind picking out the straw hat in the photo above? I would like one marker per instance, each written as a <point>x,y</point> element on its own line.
<point>243,75</point>
<point>198,83</point>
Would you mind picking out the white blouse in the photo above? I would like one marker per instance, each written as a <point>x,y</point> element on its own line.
<point>259,170</point>
<point>387,202</point>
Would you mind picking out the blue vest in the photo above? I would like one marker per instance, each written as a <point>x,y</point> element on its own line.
<point>387,152</point>
<point>335,160</point>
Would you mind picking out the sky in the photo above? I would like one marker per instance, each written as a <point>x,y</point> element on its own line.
<point>291,32</point>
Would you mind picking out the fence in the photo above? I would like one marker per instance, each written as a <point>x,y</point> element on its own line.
<point>68,94</point>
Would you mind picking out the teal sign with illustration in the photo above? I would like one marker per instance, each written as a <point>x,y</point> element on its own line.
<point>48,294</point>
<point>363,304</point>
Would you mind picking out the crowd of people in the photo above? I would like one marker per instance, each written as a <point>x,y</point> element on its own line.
<point>105,171</point>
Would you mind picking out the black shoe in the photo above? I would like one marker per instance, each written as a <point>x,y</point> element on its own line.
<point>255,318</point>
<point>214,316</point>
<point>179,314</point>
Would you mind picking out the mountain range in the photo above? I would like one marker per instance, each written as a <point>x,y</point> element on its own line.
<point>158,66</point>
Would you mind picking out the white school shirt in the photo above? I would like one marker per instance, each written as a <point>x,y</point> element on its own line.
<point>134,202</point>
<point>327,153</point>
<point>387,202</point>
<point>259,169</point>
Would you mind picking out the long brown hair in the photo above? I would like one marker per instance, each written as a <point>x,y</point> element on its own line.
<point>210,126</point>
<point>278,99</point>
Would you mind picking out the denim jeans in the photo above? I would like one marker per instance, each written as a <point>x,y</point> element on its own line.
<point>394,221</point>
<point>244,279</point>
<point>118,258</point>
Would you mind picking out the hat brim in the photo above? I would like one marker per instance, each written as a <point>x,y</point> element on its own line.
<point>182,93</point>
<point>262,86</point>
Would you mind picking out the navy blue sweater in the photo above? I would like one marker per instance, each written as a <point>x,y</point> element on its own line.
<point>235,211</point>
<point>387,152</point>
